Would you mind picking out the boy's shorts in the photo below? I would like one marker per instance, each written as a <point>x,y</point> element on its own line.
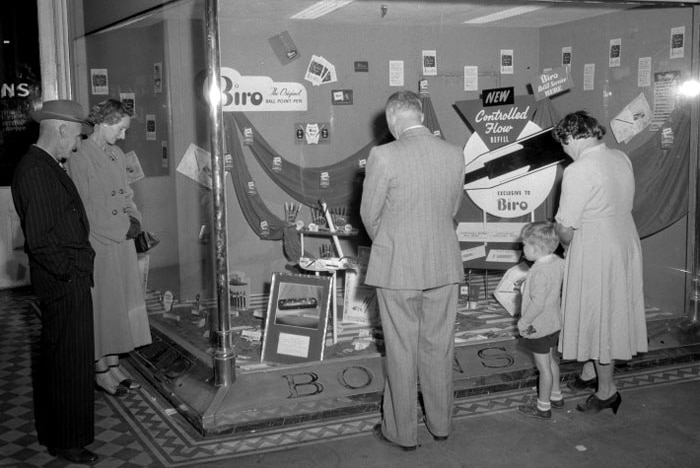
<point>542,345</point>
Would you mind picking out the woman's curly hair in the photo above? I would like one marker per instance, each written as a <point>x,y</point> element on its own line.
<point>109,112</point>
<point>577,125</point>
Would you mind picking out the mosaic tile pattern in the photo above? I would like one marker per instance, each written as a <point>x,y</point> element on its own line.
<point>141,430</point>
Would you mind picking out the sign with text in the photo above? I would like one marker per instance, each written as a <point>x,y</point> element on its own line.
<point>241,93</point>
<point>552,83</point>
<point>499,124</point>
<point>498,97</point>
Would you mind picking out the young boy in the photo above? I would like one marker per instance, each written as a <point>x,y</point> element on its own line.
<point>540,320</point>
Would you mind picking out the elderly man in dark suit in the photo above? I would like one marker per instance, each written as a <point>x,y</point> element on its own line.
<point>412,191</point>
<point>56,233</point>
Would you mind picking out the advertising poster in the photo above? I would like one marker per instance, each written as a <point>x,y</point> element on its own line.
<point>615,53</point>
<point>644,72</point>
<point>99,81</point>
<point>506,61</point>
<point>589,77</point>
<point>129,100</point>
<point>678,42</point>
<point>429,63</point>
<point>395,72</point>
<point>157,77</point>
<point>471,78</point>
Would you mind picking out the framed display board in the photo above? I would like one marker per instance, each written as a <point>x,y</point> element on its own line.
<point>297,318</point>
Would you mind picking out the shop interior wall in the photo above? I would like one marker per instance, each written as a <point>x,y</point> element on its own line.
<point>644,33</point>
<point>245,47</point>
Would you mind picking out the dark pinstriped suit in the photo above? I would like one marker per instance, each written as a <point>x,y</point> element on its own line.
<point>61,262</point>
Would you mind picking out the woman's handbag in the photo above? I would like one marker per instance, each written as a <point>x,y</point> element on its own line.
<point>145,241</point>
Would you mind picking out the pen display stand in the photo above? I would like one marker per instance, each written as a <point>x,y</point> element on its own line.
<point>328,265</point>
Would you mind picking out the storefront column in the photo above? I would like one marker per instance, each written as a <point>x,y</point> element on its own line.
<point>224,356</point>
<point>693,201</point>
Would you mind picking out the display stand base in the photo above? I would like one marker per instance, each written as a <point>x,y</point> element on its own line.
<point>271,398</point>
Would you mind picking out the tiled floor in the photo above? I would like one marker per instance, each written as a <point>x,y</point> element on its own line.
<point>141,430</point>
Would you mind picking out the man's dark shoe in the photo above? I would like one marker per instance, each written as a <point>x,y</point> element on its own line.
<point>377,431</point>
<point>75,455</point>
<point>439,438</point>
<point>578,384</point>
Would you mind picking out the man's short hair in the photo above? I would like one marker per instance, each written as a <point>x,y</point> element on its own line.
<point>542,233</point>
<point>402,101</point>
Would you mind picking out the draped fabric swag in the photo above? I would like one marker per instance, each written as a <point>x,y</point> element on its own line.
<point>662,177</point>
<point>661,194</point>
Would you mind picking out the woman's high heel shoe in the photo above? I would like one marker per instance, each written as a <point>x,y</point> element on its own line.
<point>595,405</point>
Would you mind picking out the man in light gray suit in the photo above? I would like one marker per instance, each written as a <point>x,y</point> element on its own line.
<point>412,191</point>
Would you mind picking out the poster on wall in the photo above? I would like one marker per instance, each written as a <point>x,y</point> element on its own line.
<point>312,133</point>
<point>566,56</point>
<point>506,61</point>
<point>320,71</point>
<point>395,72</point>
<point>615,53</point>
<point>284,48</point>
<point>634,118</point>
<point>341,97</point>
<point>677,42</point>
<point>129,101</point>
<point>644,72</point>
<point>158,77</point>
<point>429,63</point>
<point>471,78</point>
<point>589,77</point>
<point>665,87</point>
<point>99,81</point>
<point>150,127</point>
<point>164,160</point>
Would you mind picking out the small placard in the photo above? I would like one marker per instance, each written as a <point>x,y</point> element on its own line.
<point>361,67</point>
<point>293,345</point>
<point>504,256</point>
<point>341,97</point>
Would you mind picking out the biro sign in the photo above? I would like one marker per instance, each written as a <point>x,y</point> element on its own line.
<point>552,83</point>
<point>245,93</point>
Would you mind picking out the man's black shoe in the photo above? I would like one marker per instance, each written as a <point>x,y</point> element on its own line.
<point>75,455</point>
<point>377,431</point>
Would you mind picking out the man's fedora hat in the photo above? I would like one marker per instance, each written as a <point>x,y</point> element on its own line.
<point>63,109</point>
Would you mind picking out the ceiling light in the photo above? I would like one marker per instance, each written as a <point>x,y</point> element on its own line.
<point>509,13</point>
<point>321,8</point>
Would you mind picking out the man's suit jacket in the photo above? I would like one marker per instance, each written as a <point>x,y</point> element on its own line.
<point>53,218</point>
<point>412,191</point>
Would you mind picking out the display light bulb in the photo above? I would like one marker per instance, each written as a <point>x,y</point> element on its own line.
<point>690,88</point>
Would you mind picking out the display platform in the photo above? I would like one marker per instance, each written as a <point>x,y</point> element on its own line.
<point>349,381</point>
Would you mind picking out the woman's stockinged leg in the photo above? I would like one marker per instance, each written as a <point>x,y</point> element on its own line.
<point>606,381</point>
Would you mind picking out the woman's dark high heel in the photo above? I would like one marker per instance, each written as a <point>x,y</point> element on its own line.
<point>596,405</point>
